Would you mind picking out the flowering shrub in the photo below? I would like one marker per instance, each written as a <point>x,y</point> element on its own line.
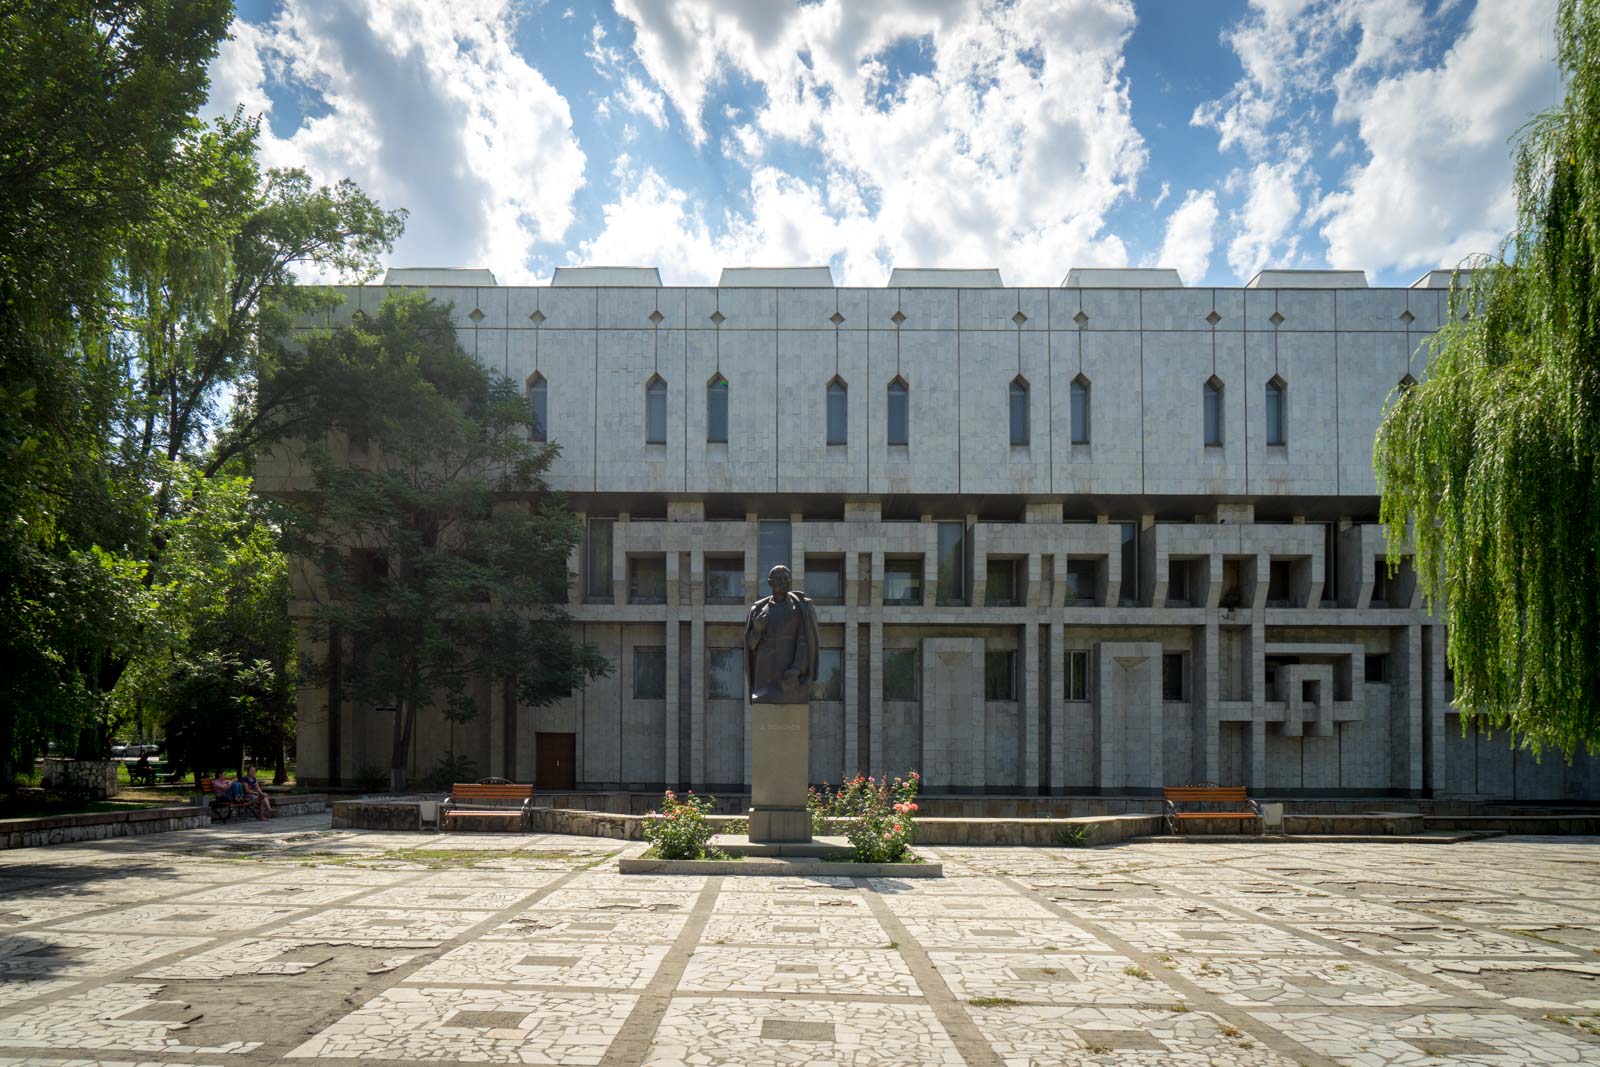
<point>879,816</point>
<point>682,832</point>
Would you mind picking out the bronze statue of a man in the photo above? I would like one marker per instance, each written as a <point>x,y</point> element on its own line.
<point>780,644</point>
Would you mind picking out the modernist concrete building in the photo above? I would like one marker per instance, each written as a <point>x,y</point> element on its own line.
<point>1088,540</point>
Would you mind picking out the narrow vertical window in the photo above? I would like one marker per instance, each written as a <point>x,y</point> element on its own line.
<point>1080,410</point>
<point>1019,411</point>
<point>717,409</point>
<point>1277,398</point>
<point>1211,398</point>
<point>838,413</point>
<point>899,412</point>
<point>655,412</point>
<point>538,408</point>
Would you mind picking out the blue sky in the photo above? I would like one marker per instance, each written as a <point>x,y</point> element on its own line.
<point>1033,135</point>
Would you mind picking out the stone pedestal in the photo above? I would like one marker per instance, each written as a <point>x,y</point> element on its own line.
<point>780,749</point>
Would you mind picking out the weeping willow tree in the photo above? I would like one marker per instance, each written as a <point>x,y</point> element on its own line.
<point>1491,466</point>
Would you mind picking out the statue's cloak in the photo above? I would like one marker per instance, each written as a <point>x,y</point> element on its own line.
<point>805,660</point>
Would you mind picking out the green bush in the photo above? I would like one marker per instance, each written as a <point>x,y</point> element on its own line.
<point>879,816</point>
<point>682,832</point>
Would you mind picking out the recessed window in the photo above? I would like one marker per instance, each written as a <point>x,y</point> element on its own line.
<point>774,541</point>
<point>952,587</point>
<point>1377,667</point>
<point>655,411</point>
<point>1211,402</point>
<point>825,579</point>
<point>538,408</point>
<point>724,674</point>
<point>899,428</point>
<point>1130,563</point>
<point>1000,675</point>
<point>838,412</point>
<point>1380,583</point>
<point>1080,410</point>
<point>1077,675</point>
<point>597,561</point>
<point>1280,584</point>
<point>830,675</point>
<point>1177,583</point>
<point>649,674</point>
<point>1083,578</point>
<point>1001,587</point>
<point>1232,584</point>
<point>647,579</point>
<point>717,410</point>
<point>1019,411</point>
<point>1174,676</point>
<point>899,674</point>
<point>724,579</point>
<point>902,581</point>
<point>1277,402</point>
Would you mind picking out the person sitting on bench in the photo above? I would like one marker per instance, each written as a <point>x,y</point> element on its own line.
<point>253,791</point>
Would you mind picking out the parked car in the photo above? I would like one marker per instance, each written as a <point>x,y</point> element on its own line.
<point>119,749</point>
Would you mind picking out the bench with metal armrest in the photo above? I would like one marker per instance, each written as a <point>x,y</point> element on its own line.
<point>1207,794</point>
<point>479,800</point>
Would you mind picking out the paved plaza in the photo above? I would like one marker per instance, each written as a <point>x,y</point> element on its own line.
<point>293,941</point>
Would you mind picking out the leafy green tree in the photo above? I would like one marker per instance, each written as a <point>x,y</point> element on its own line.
<point>217,668</point>
<point>146,267</point>
<point>1492,464</point>
<point>435,547</point>
<point>95,99</point>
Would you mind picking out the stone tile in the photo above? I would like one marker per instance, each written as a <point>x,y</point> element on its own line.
<point>274,893</point>
<point>539,924</point>
<point>794,930</point>
<point>1050,978</point>
<point>823,902</point>
<point>449,897</point>
<point>510,963</point>
<point>1434,941</point>
<point>1291,982</point>
<point>440,1025</point>
<point>192,917</point>
<point>271,956</point>
<point>1034,934</point>
<point>129,1017</point>
<point>731,1032</point>
<point>621,901</point>
<point>798,972</point>
<point>1044,1036</point>
<point>1518,984</point>
<point>1429,1038</point>
<point>61,953</point>
<point>1010,905</point>
<point>1215,939</point>
<point>382,924</point>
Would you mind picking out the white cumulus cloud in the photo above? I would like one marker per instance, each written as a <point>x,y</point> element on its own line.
<point>1190,237</point>
<point>1008,150</point>
<point>427,107</point>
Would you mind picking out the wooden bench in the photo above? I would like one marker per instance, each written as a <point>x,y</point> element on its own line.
<point>488,800</point>
<point>223,809</point>
<point>1207,794</point>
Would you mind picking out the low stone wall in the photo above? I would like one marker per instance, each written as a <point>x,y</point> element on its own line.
<point>99,825</point>
<point>377,815</point>
<point>1551,824</point>
<point>1370,824</point>
<point>94,779</point>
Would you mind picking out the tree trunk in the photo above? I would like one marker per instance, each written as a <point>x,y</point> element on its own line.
<point>404,719</point>
<point>8,767</point>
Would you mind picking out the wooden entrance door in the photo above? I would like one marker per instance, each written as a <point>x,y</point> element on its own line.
<point>556,761</point>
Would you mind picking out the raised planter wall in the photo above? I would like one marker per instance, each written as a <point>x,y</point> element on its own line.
<point>99,825</point>
<point>94,779</point>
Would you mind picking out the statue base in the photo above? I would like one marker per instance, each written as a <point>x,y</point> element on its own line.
<point>780,744</point>
<point>780,826</point>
